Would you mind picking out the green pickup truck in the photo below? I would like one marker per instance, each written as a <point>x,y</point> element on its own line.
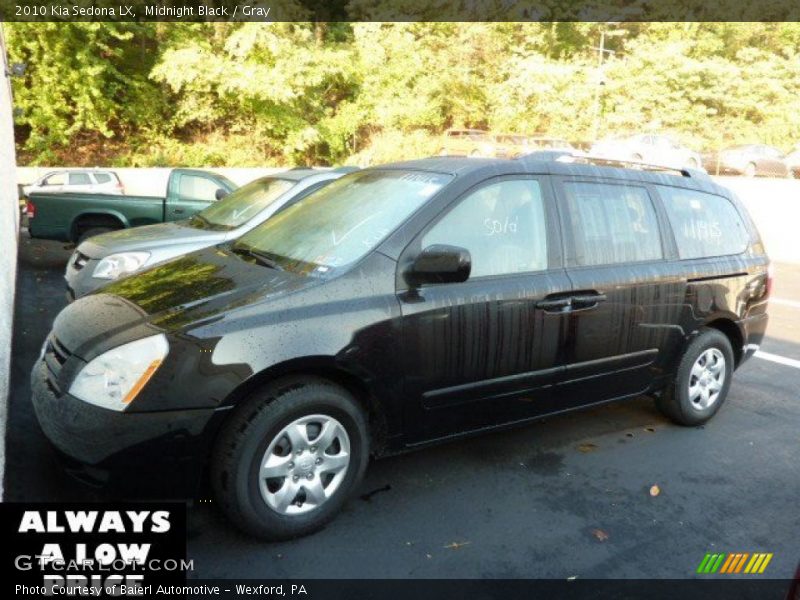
<point>73,217</point>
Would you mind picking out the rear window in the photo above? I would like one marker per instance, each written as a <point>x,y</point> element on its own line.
<point>612,224</point>
<point>704,225</point>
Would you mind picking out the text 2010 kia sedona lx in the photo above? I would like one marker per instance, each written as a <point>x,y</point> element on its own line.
<point>399,306</point>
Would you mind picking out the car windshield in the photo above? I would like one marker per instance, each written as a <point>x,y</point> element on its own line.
<point>241,205</point>
<point>341,223</point>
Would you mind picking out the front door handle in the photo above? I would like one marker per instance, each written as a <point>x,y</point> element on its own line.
<point>554,304</point>
<point>588,300</point>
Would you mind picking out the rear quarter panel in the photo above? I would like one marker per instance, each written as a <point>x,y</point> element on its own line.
<point>57,213</point>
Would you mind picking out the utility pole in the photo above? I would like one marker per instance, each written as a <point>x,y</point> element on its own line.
<point>601,53</point>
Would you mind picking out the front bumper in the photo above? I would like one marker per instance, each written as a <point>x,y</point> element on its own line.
<point>153,454</point>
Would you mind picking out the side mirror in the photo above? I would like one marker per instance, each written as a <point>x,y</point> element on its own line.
<point>440,263</point>
<point>220,194</point>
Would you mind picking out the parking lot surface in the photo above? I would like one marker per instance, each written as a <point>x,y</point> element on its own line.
<point>612,492</point>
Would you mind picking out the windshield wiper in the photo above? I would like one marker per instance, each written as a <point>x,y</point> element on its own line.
<point>260,257</point>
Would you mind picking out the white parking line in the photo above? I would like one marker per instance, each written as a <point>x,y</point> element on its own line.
<point>792,303</point>
<point>781,360</point>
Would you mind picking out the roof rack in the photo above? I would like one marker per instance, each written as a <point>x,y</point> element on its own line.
<point>586,159</point>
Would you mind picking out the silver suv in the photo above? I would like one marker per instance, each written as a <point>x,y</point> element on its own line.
<point>88,180</point>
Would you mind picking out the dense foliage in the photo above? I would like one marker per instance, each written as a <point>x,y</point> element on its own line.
<point>247,94</point>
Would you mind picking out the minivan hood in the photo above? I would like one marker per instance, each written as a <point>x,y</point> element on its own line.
<point>146,238</point>
<point>196,287</point>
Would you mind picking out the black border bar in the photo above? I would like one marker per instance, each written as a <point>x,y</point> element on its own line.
<point>398,10</point>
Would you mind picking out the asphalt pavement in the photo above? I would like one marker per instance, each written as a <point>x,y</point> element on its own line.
<point>611,492</point>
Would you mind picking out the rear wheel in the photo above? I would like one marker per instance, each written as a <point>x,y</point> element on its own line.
<point>701,381</point>
<point>289,457</point>
<point>750,170</point>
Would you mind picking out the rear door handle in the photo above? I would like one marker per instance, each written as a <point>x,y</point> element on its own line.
<point>588,300</point>
<point>177,211</point>
<point>555,304</point>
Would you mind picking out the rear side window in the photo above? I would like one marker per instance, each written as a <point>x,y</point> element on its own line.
<point>612,223</point>
<point>79,179</point>
<point>704,224</point>
<point>501,224</point>
<point>102,177</point>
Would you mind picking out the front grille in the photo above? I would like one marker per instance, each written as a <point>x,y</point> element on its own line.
<point>55,356</point>
<point>79,260</point>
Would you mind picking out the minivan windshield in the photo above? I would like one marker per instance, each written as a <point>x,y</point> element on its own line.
<point>241,205</point>
<point>340,223</point>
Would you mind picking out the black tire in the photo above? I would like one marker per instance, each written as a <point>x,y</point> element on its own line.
<point>248,433</point>
<point>674,401</point>
<point>93,231</point>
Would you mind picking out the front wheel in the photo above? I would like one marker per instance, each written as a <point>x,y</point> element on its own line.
<point>289,457</point>
<point>701,381</point>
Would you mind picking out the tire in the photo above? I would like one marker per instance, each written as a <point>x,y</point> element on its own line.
<point>93,231</point>
<point>692,164</point>
<point>254,433</point>
<point>750,170</point>
<point>677,401</point>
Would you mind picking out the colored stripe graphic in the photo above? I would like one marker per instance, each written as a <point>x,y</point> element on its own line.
<point>732,558</point>
<point>756,563</point>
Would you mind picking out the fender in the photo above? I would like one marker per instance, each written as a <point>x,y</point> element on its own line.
<point>114,214</point>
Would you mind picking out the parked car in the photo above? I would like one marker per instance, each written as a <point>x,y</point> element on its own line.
<point>750,160</point>
<point>793,163</point>
<point>468,142</point>
<point>401,306</point>
<point>109,256</point>
<point>514,145</point>
<point>74,217</point>
<point>648,148</point>
<point>93,181</point>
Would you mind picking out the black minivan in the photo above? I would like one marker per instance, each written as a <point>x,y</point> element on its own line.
<point>403,305</point>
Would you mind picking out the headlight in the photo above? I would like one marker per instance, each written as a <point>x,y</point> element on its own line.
<point>115,265</point>
<point>113,379</point>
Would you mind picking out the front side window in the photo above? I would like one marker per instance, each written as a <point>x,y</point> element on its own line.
<point>55,179</point>
<point>502,225</point>
<point>193,187</point>
<point>704,225</point>
<point>342,222</point>
<point>240,206</point>
<point>79,179</point>
<point>612,223</point>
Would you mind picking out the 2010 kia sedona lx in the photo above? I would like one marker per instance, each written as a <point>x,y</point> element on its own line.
<point>399,306</point>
